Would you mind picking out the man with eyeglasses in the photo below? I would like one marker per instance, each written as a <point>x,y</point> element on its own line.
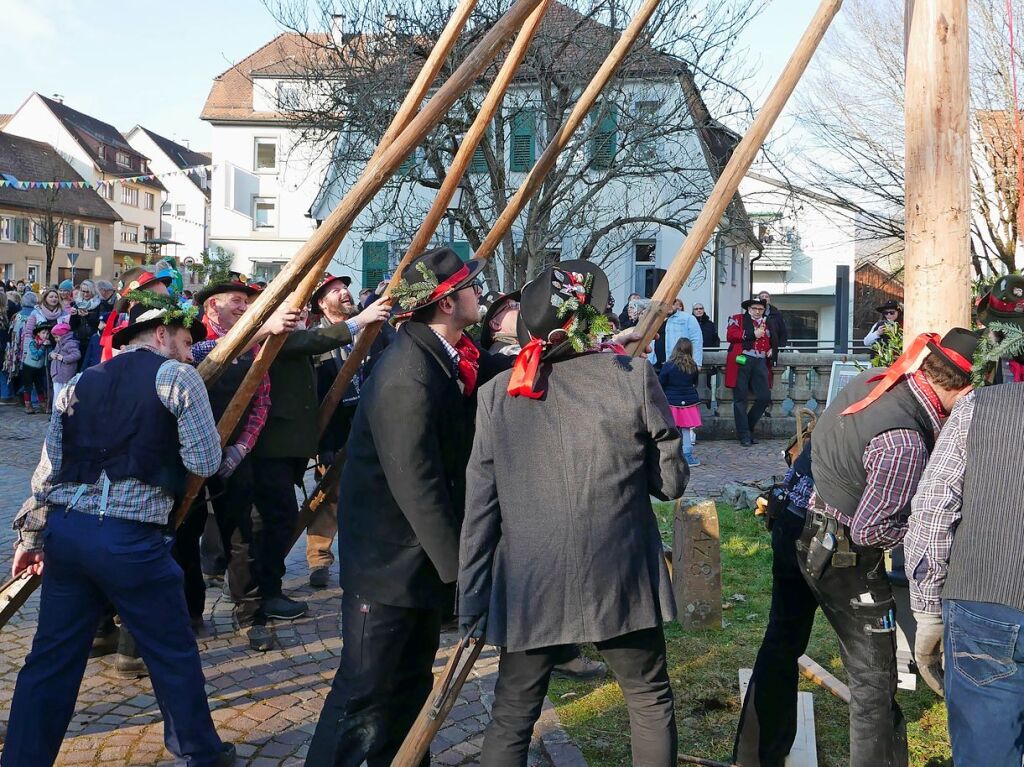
<point>889,321</point>
<point>751,346</point>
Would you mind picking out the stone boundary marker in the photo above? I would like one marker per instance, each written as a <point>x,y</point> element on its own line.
<point>697,564</point>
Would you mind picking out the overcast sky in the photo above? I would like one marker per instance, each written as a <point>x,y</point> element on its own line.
<point>131,63</point>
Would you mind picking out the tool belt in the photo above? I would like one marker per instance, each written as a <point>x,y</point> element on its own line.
<point>829,545</point>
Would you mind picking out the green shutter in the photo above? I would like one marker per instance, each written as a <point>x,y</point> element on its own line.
<point>81,237</point>
<point>22,224</point>
<point>523,144</point>
<point>479,162</point>
<point>604,143</point>
<point>462,248</point>
<point>407,164</point>
<point>375,263</point>
<point>96,239</point>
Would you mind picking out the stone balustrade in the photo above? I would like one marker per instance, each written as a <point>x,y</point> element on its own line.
<point>800,381</point>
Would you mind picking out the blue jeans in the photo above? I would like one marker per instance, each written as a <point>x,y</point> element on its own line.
<point>89,560</point>
<point>984,680</point>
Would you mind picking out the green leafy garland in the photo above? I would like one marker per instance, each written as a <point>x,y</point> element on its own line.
<point>1005,341</point>
<point>588,325</point>
<point>174,312</point>
<point>889,347</point>
<point>409,295</point>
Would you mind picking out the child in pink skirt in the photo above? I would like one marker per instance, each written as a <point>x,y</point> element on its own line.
<point>679,380</point>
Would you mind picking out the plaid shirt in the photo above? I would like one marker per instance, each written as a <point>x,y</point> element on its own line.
<point>894,461</point>
<point>181,391</point>
<point>936,511</point>
<point>454,355</point>
<point>259,407</point>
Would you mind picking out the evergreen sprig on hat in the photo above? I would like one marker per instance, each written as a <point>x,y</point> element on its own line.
<point>408,295</point>
<point>588,325</point>
<point>173,311</point>
<point>1006,341</point>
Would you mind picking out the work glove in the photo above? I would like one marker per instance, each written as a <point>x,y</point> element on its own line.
<point>472,626</point>
<point>233,456</point>
<point>928,650</point>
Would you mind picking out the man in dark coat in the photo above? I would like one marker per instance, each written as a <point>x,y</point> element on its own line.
<point>400,511</point>
<point>560,544</point>
<point>287,442</point>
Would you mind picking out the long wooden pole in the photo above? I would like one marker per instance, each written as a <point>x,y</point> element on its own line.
<point>376,175</point>
<point>937,263</point>
<point>530,184</point>
<point>729,181</point>
<point>272,346</point>
<point>463,157</point>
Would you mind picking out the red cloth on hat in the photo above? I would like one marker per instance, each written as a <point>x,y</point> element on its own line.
<point>469,364</point>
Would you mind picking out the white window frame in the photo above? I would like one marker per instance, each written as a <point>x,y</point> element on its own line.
<point>644,266</point>
<point>149,200</point>
<point>179,209</point>
<point>256,143</point>
<point>255,202</point>
<point>288,96</point>
<point>6,228</point>
<point>32,227</point>
<point>129,196</point>
<point>91,235</point>
<point>65,229</point>
<point>127,230</point>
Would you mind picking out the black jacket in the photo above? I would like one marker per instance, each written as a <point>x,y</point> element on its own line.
<point>710,333</point>
<point>404,483</point>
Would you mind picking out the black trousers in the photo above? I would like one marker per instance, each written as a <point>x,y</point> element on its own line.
<point>752,378</point>
<point>275,480</point>
<point>878,730</point>
<point>638,662</point>
<point>232,509</point>
<point>384,678</point>
<point>767,726</point>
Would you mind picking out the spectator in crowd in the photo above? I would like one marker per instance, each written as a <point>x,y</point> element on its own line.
<point>709,334</point>
<point>751,345</point>
<point>678,325</point>
<point>678,378</point>
<point>776,323</point>
<point>48,310</point>
<point>610,312</point>
<point>64,357</point>
<point>85,314</point>
<point>626,319</point>
<point>891,318</point>
<point>16,338</point>
<point>35,355</point>
<point>107,295</point>
<point>66,293</point>
<point>6,391</point>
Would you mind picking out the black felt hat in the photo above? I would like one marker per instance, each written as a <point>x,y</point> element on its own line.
<point>223,287</point>
<point>160,311</point>
<point>432,276</point>
<point>957,348</point>
<point>888,306</point>
<point>327,281</point>
<point>753,302</point>
<point>549,306</point>
<point>1004,302</point>
<point>486,334</point>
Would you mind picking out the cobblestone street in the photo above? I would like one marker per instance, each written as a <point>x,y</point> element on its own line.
<point>268,703</point>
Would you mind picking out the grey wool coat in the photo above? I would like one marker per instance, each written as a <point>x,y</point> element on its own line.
<point>559,544</point>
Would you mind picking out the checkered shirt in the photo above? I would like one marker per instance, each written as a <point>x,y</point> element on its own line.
<point>259,406</point>
<point>936,511</point>
<point>182,392</point>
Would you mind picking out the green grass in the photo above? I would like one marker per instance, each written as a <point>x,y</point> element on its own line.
<point>703,666</point>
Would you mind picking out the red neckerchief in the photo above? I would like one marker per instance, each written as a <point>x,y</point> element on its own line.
<point>469,364</point>
<point>929,394</point>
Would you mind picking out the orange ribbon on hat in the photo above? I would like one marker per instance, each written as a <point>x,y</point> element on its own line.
<point>906,364</point>
<point>526,370</point>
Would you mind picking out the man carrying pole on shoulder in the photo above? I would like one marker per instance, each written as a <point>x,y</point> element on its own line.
<point>868,453</point>
<point>400,511</point>
<point>115,456</point>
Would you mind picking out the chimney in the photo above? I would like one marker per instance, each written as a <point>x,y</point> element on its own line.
<point>338,29</point>
<point>58,97</point>
<point>186,143</point>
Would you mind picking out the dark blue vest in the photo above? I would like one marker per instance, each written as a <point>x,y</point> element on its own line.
<point>117,423</point>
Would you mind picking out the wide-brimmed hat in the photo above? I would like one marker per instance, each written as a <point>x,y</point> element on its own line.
<point>753,302</point>
<point>144,280</point>
<point>152,310</point>
<point>432,276</point>
<point>223,287</point>
<point>328,280</point>
<point>957,348</point>
<point>1004,302</point>
<point>888,306</point>
<point>496,305</point>
<point>44,325</point>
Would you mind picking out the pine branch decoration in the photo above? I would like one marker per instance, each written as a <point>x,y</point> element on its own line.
<point>1004,341</point>
<point>409,295</point>
<point>174,311</point>
<point>587,325</point>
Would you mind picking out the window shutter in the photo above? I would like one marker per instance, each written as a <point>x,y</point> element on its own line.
<point>21,228</point>
<point>479,162</point>
<point>81,237</point>
<point>523,144</point>
<point>604,143</point>
<point>96,237</point>
<point>375,263</point>
<point>462,248</point>
<point>406,167</point>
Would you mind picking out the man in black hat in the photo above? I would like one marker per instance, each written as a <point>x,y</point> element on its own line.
<point>123,436</point>
<point>400,510</point>
<point>890,319</point>
<point>751,345</point>
<point>868,453</point>
<point>498,327</point>
<point>552,493</point>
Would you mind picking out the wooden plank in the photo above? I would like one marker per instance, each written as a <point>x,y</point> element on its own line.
<point>805,751</point>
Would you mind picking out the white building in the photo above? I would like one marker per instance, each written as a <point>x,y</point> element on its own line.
<point>98,152</point>
<point>186,208</point>
<point>269,193</point>
<point>806,236</point>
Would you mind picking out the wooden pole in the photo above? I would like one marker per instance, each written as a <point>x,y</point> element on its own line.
<point>729,181</point>
<point>463,157</point>
<point>937,266</point>
<point>374,177</point>
<point>272,346</point>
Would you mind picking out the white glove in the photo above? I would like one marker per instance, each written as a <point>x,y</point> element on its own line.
<point>928,650</point>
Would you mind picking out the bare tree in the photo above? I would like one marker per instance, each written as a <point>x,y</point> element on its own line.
<point>851,110</point>
<point>635,166</point>
<point>48,226</point>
